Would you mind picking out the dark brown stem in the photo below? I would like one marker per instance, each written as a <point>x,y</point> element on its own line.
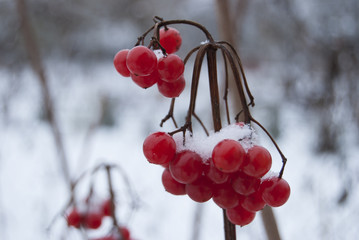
<point>170,114</point>
<point>284,159</point>
<point>270,225</point>
<point>229,228</point>
<point>201,123</point>
<point>112,195</point>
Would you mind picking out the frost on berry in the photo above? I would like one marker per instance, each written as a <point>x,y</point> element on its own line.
<point>159,148</point>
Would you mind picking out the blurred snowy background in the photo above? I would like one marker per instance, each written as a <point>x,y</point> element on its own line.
<point>301,60</point>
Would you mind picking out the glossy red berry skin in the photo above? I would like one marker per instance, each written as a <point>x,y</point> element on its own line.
<point>214,174</point>
<point>93,220</point>
<point>225,197</point>
<point>186,167</point>
<point>146,81</point>
<point>253,202</point>
<point>258,162</point>
<point>74,218</point>
<point>275,191</point>
<point>200,190</point>
<point>170,39</point>
<point>171,89</point>
<point>170,67</point>
<point>171,185</point>
<point>119,62</point>
<point>141,61</point>
<point>244,184</point>
<point>159,148</point>
<point>228,155</point>
<point>240,216</point>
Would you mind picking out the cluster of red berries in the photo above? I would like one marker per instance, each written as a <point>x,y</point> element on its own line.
<point>141,64</point>
<point>232,176</point>
<point>92,219</point>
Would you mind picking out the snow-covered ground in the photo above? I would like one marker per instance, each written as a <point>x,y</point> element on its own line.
<point>33,191</point>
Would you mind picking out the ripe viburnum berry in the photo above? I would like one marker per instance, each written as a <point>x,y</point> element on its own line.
<point>170,67</point>
<point>171,89</point>
<point>171,185</point>
<point>245,184</point>
<point>228,155</point>
<point>141,61</point>
<point>170,39</point>
<point>258,162</point>
<point>159,148</point>
<point>120,62</point>
<point>186,167</point>
<point>74,218</point>
<point>200,190</point>
<point>240,216</point>
<point>275,191</point>
<point>253,202</point>
<point>214,174</point>
<point>146,81</point>
<point>125,233</point>
<point>106,208</point>
<point>93,220</point>
<point>225,197</point>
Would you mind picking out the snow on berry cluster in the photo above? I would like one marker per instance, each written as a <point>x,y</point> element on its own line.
<point>146,69</point>
<point>228,167</point>
<point>90,217</point>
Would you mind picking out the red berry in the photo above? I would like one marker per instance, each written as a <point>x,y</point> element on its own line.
<point>146,81</point>
<point>239,216</point>
<point>141,61</point>
<point>170,67</point>
<point>253,202</point>
<point>93,220</point>
<point>171,185</point>
<point>120,62</point>
<point>171,89</point>
<point>186,167</point>
<point>107,208</point>
<point>170,39</point>
<point>200,190</point>
<point>225,197</point>
<point>125,233</point>
<point>228,155</point>
<point>214,174</point>
<point>258,162</point>
<point>159,148</point>
<point>275,191</point>
<point>245,184</point>
<point>74,218</point>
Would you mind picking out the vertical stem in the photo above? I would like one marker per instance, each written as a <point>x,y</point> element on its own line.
<point>36,63</point>
<point>229,228</point>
